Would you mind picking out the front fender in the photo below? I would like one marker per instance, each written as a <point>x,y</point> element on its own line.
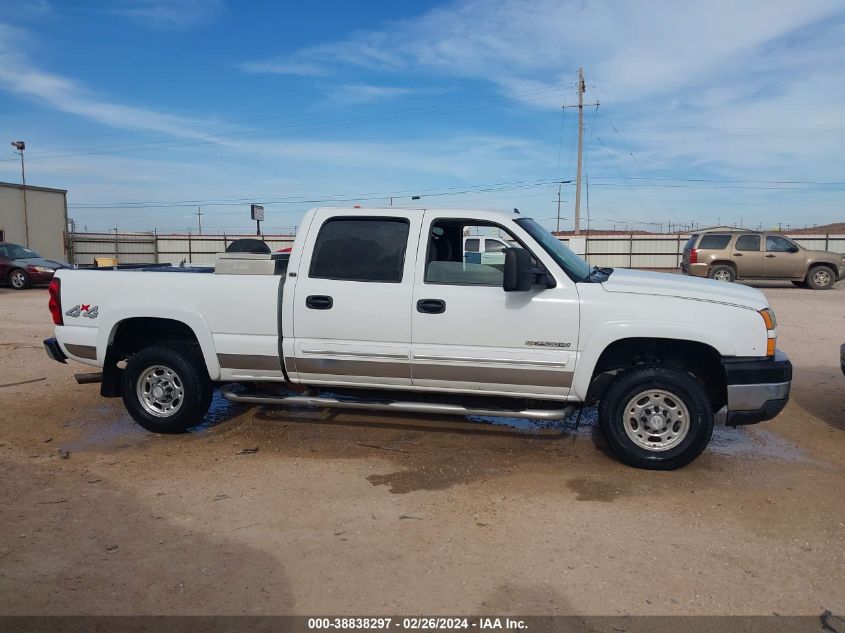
<point>607,333</point>
<point>194,320</point>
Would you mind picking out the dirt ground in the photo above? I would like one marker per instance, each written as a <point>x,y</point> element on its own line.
<point>341,513</point>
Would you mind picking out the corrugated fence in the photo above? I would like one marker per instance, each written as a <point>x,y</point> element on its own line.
<point>620,250</point>
<point>147,248</point>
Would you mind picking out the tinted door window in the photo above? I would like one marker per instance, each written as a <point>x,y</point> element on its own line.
<point>748,243</point>
<point>361,249</point>
<point>472,245</point>
<point>714,242</point>
<point>778,244</point>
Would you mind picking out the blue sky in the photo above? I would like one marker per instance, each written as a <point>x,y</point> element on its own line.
<point>144,109</point>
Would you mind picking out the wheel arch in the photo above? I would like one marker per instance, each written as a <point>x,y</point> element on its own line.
<point>813,265</point>
<point>126,334</point>
<point>700,355</point>
<point>723,262</point>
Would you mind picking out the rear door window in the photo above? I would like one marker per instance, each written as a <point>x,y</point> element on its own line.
<point>714,242</point>
<point>748,243</point>
<point>472,245</point>
<point>360,249</point>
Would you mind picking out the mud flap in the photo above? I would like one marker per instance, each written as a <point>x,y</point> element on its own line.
<point>110,387</point>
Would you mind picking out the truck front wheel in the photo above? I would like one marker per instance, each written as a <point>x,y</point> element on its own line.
<point>656,418</point>
<point>167,389</point>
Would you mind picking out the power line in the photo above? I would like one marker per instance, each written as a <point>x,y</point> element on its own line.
<point>430,192</point>
<point>723,180</point>
<point>642,169</point>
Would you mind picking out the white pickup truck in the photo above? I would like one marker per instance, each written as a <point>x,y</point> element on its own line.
<point>379,309</point>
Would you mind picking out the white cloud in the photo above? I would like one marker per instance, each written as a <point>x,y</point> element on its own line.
<point>170,14</point>
<point>361,93</point>
<point>18,75</point>
<point>751,89</point>
<point>284,67</point>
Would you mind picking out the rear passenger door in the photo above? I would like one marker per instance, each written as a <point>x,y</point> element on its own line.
<point>352,300</point>
<point>747,256</point>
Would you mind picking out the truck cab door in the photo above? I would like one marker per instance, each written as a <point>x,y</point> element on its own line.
<point>471,336</point>
<point>783,259</point>
<point>747,256</point>
<point>352,300</point>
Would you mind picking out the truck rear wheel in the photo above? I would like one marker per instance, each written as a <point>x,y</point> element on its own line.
<point>167,389</point>
<point>656,418</point>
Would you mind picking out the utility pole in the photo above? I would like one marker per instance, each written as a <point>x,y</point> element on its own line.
<point>580,150</point>
<point>581,89</point>
<point>21,146</point>
<point>199,219</point>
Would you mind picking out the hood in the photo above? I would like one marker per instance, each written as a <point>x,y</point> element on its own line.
<point>42,261</point>
<point>825,254</point>
<point>683,287</point>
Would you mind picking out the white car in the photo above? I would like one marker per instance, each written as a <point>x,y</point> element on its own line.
<point>379,308</point>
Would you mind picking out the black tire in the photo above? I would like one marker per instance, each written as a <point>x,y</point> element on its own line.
<point>799,284</point>
<point>821,278</point>
<point>681,387</point>
<point>18,279</point>
<point>248,245</point>
<point>722,272</point>
<point>191,377</point>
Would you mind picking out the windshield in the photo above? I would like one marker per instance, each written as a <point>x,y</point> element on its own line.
<point>13,251</point>
<point>571,263</point>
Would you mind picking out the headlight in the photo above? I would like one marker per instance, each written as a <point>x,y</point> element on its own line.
<point>42,269</point>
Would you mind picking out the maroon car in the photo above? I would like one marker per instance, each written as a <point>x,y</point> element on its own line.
<point>21,267</point>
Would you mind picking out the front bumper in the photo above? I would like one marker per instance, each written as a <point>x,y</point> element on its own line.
<point>758,388</point>
<point>51,346</point>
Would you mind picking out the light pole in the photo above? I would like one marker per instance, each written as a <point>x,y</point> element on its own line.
<point>21,146</point>
<point>559,185</point>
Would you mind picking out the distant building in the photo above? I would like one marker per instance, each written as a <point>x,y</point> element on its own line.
<point>45,221</point>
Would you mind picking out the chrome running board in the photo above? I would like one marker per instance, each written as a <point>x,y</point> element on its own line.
<point>396,406</point>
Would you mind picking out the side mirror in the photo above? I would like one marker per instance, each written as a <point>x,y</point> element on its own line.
<point>793,249</point>
<point>519,275</point>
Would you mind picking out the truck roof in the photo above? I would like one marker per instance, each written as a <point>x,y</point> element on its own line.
<point>454,212</point>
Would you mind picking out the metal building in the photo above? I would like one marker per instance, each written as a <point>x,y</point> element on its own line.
<point>35,217</point>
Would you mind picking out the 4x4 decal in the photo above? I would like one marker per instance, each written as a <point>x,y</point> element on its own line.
<point>85,310</point>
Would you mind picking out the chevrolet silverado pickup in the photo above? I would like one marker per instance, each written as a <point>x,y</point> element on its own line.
<point>382,309</point>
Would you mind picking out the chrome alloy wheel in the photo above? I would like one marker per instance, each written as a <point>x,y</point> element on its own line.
<point>822,277</point>
<point>160,391</point>
<point>17,279</point>
<point>656,420</point>
<point>722,275</point>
